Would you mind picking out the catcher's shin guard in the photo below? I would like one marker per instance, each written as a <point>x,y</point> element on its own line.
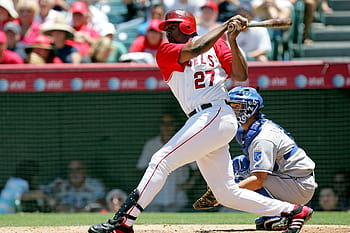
<point>207,201</point>
<point>117,224</point>
<point>275,223</point>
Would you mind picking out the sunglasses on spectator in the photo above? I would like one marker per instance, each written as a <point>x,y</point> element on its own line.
<point>25,11</point>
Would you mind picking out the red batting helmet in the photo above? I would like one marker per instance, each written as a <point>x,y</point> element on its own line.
<point>187,22</point>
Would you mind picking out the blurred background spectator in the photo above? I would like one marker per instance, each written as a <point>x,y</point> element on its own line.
<point>61,5</point>
<point>13,33</point>
<point>8,56</point>
<point>7,12</point>
<point>101,49</point>
<point>341,186</point>
<point>227,9</point>
<point>255,42</point>
<point>192,6</point>
<point>78,192</point>
<point>42,52</point>
<point>46,12</point>
<point>29,28</point>
<point>60,32</point>
<point>115,199</point>
<point>85,36</point>
<point>156,11</point>
<point>149,42</point>
<point>107,49</point>
<point>208,18</point>
<point>21,188</point>
<point>135,9</point>
<point>328,200</point>
<point>272,9</point>
<point>309,14</point>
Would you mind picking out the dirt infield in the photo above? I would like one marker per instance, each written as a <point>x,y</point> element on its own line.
<point>178,229</point>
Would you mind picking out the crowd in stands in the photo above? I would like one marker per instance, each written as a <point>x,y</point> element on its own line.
<point>59,31</point>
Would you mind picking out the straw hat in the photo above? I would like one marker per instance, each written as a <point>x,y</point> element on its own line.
<point>8,5</point>
<point>59,24</point>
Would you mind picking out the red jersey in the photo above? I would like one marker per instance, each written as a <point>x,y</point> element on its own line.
<point>10,57</point>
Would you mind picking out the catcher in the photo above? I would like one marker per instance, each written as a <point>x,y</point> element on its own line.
<point>272,164</point>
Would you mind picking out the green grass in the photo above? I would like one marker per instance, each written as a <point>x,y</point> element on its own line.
<point>48,219</point>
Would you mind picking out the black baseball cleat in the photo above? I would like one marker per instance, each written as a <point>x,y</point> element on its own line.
<point>117,223</point>
<point>275,223</point>
<point>296,219</point>
<point>109,227</point>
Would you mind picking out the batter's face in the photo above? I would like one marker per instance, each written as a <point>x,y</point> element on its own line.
<point>173,33</point>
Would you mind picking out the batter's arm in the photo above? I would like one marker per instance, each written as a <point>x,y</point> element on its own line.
<point>253,182</point>
<point>239,64</point>
<point>207,41</point>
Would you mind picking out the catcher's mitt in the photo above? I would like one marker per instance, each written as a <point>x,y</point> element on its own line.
<point>207,201</point>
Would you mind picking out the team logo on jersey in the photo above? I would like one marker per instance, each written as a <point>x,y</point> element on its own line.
<point>257,156</point>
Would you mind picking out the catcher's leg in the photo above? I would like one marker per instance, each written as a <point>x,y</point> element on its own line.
<point>207,201</point>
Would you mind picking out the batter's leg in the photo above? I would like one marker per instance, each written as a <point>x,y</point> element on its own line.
<point>217,167</point>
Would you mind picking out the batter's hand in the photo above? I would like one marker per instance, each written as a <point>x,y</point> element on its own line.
<point>235,25</point>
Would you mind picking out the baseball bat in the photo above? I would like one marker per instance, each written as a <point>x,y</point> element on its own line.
<point>269,23</point>
<point>272,23</point>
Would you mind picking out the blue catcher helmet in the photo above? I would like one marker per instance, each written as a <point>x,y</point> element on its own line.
<point>250,100</point>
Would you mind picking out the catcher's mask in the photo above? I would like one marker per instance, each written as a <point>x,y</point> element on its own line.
<point>249,100</point>
<point>187,22</point>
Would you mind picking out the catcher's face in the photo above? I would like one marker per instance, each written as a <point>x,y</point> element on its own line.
<point>237,107</point>
<point>173,33</point>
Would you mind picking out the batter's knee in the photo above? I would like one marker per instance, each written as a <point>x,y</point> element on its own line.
<point>225,195</point>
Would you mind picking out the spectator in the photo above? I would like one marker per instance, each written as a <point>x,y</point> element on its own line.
<point>42,52</point>
<point>46,12</point>
<point>192,6</point>
<point>310,9</point>
<point>7,12</point>
<point>13,33</point>
<point>20,187</point>
<point>341,186</point>
<point>114,199</point>
<point>272,9</point>
<point>60,33</point>
<point>61,5</point>
<point>173,196</point>
<point>85,36</point>
<point>151,41</point>
<point>227,9</point>
<point>77,193</point>
<point>29,29</point>
<point>8,56</point>
<point>328,200</point>
<point>208,18</point>
<point>157,11</point>
<point>325,7</point>
<point>96,18</point>
<point>107,49</point>
<point>135,9</point>
<point>255,42</point>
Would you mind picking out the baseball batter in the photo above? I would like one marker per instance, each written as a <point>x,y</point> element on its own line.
<point>195,68</point>
<point>272,164</point>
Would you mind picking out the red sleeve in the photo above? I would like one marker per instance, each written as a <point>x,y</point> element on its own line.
<point>167,59</point>
<point>224,54</point>
<point>138,45</point>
